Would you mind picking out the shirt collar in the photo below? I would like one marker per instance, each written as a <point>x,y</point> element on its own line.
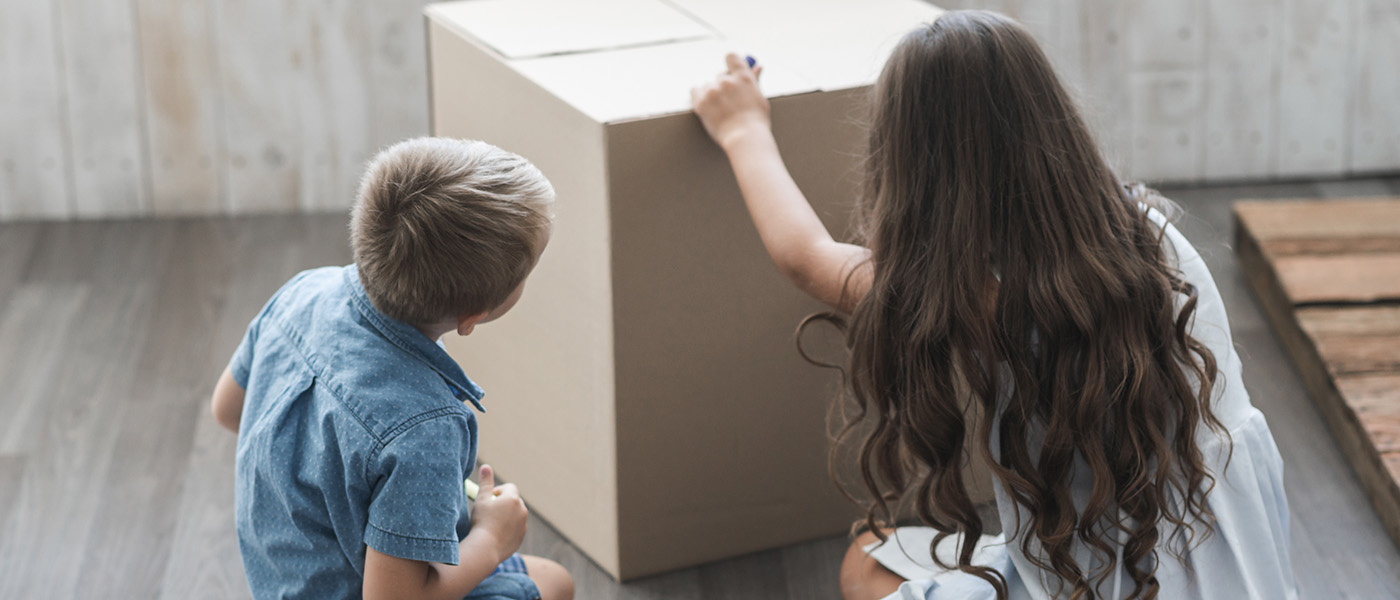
<point>412,341</point>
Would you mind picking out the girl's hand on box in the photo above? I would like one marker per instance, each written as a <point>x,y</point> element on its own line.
<point>736,116</point>
<point>500,512</point>
<point>732,106</point>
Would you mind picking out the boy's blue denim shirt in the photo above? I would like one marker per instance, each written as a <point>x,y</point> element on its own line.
<point>353,433</point>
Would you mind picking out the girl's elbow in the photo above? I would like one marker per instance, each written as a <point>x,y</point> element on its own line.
<point>797,273</point>
<point>795,263</point>
<point>791,270</point>
<point>804,281</point>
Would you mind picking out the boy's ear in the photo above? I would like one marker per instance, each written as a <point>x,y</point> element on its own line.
<point>466,323</point>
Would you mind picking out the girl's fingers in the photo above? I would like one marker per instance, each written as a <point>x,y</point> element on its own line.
<point>698,92</point>
<point>736,63</point>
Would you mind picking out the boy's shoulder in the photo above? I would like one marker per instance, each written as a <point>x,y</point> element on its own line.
<point>312,286</point>
<point>317,307</point>
<point>362,357</point>
<point>323,322</point>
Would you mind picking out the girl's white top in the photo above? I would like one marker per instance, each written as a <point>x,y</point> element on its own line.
<point>1246,555</point>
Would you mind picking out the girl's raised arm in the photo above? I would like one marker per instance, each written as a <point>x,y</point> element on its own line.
<point>735,114</point>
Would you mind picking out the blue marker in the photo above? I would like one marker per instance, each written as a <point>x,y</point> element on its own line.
<point>751,61</point>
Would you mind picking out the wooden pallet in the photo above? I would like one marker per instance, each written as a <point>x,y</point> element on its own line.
<point>1328,277</point>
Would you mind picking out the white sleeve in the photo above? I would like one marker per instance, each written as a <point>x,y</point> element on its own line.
<point>1209,325</point>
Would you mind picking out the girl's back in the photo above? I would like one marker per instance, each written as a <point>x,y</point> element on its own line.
<point>1245,554</point>
<point>1240,552</point>
<point>1000,262</point>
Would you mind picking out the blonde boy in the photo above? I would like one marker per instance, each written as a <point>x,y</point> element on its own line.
<point>353,437</point>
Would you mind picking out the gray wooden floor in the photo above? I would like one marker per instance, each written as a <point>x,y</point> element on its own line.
<point>115,483</point>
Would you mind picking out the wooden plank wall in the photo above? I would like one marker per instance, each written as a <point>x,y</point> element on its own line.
<point>137,108</point>
<point>125,108</point>
<point>1225,90</point>
<point>183,109</point>
<point>35,169</point>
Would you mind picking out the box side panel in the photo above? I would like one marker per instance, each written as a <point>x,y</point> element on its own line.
<point>722,436</point>
<point>546,366</point>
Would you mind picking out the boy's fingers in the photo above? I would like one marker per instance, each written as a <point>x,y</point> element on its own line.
<point>507,490</point>
<point>488,480</point>
<point>757,71</point>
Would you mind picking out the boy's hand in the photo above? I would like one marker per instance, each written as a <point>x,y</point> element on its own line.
<point>500,513</point>
<point>732,106</point>
<point>498,527</point>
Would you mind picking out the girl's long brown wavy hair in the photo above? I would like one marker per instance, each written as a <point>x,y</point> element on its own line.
<point>1014,275</point>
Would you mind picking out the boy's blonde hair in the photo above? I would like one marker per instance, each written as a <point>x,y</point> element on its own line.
<point>444,228</point>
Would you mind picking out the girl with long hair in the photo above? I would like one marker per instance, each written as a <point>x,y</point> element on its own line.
<point>1010,305</point>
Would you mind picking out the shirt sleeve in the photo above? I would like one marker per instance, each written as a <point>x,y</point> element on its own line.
<point>418,496</point>
<point>242,359</point>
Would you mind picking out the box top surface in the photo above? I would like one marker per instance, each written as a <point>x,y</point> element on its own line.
<point>518,29</point>
<point>618,60</point>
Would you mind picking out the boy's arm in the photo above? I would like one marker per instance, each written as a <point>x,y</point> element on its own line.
<point>390,577</point>
<point>228,401</point>
<point>735,114</point>
<point>498,528</point>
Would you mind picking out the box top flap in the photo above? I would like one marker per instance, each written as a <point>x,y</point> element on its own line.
<point>835,44</point>
<point>531,28</point>
<point>640,82</point>
<point>617,60</point>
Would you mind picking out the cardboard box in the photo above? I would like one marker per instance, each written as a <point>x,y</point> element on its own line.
<point>646,394</point>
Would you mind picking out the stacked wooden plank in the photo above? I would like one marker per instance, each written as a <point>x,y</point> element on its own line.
<point>1328,276</point>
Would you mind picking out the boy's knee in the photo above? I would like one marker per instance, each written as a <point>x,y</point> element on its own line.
<point>552,578</point>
